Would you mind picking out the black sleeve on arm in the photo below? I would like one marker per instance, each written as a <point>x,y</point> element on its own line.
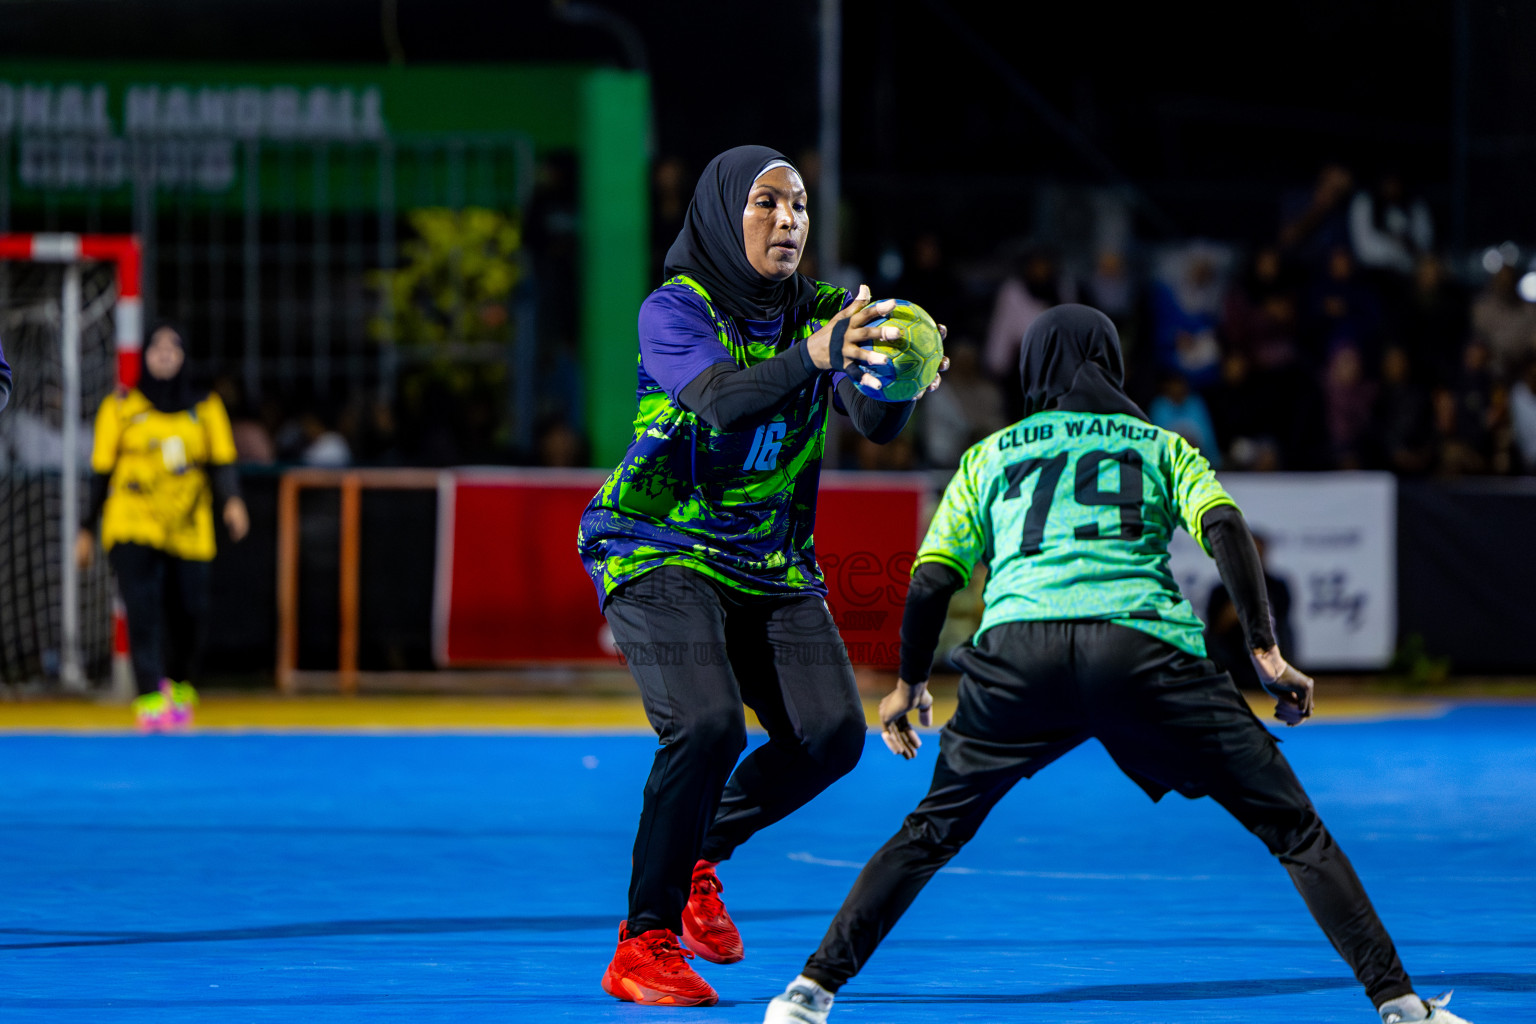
<point>96,501</point>
<point>730,398</point>
<point>933,584</point>
<point>225,481</point>
<point>1237,559</point>
<point>879,421</point>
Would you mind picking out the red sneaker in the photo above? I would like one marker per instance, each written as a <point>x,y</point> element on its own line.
<point>707,929</point>
<point>652,968</point>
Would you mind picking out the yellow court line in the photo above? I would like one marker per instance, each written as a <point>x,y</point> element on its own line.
<point>237,712</point>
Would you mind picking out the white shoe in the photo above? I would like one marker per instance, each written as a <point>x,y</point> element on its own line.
<point>1434,1012</point>
<point>804,1002</point>
<point>1438,1014</point>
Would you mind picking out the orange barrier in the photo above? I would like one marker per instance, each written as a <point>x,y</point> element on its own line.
<point>352,482</point>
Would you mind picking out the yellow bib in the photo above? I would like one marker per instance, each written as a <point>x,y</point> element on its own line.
<point>159,494</point>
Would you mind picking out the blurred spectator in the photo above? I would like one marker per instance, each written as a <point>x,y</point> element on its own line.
<point>1348,398</point>
<point>1431,323</point>
<point>1465,417</point>
<point>1111,289</point>
<point>927,280</point>
<point>559,445</point>
<point>1036,285</point>
<point>1224,633</point>
<point>253,441</point>
<point>1255,455</point>
<point>1504,322</point>
<point>1475,395</point>
<point>1451,452</point>
<point>1399,424</point>
<point>1389,229</point>
<point>375,441</point>
<point>1263,322</point>
<point>1186,309</point>
<point>288,436</point>
<point>965,409</point>
<point>1114,291</point>
<point>253,444</point>
<point>1182,411</point>
<point>325,445</point>
<point>1341,309</point>
<point>1522,408</point>
<point>1314,224</point>
<point>1241,413</point>
<point>1503,457</point>
<point>1260,315</point>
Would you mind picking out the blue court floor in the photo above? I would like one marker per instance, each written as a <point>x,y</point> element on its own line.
<point>331,878</point>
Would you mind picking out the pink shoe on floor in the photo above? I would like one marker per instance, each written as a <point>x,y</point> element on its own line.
<point>152,712</point>
<point>180,700</point>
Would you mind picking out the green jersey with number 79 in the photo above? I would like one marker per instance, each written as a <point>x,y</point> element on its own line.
<point>1072,512</point>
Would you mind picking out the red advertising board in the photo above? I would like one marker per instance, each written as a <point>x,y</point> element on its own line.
<point>511,590</point>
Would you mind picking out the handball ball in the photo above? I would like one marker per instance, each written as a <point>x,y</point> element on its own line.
<point>915,356</point>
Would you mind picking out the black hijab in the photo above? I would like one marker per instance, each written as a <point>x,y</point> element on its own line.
<point>711,249</point>
<point>1071,355</point>
<point>176,394</point>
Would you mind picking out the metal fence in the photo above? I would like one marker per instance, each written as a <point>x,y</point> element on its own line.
<point>269,253</point>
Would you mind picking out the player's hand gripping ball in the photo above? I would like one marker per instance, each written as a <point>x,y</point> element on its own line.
<point>915,356</point>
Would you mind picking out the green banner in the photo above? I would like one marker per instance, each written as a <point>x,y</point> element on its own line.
<point>318,134</point>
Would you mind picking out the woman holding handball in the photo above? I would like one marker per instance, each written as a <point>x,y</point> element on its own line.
<point>700,547</point>
<point>163,460</point>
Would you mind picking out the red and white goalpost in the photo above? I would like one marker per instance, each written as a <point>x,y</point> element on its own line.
<point>124,254</point>
<point>71,324</point>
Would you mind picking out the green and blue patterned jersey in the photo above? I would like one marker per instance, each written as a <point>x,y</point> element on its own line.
<point>739,506</point>
<point>1072,512</point>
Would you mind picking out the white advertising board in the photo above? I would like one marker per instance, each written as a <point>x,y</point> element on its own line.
<point>1332,537</point>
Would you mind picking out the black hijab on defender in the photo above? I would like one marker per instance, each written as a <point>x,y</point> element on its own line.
<point>1070,360</point>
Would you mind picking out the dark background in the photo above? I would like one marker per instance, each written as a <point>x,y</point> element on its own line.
<point>1209,110</point>
<point>958,115</point>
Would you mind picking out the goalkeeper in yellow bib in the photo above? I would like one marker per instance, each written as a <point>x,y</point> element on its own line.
<point>1085,635</point>
<point>163,460</point>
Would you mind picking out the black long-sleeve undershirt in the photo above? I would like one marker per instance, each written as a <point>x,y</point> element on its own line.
<point>933,584</point>
<point>1227,535</point>
<point>731,398</point>
<point>879,421</point>
<point>1237,560</point>
<point>100,484</point>
<point>225,482</point>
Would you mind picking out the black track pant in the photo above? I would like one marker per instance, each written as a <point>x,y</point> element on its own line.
<point>1033,691</point>
<point>166,601</point>
<point>699,650</point>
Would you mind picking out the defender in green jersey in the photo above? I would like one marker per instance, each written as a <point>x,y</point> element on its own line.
<point>1085,635</point>
<point>1067,499</point>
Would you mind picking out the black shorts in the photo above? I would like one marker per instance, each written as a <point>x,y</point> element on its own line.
<point>1034,690</point>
